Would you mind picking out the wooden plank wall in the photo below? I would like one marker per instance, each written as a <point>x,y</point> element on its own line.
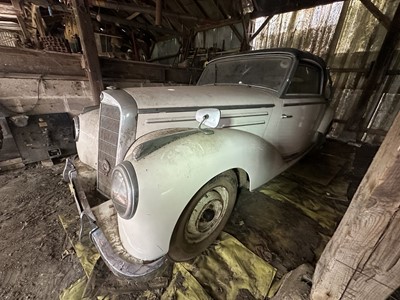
<point>362,260</point>
<point>25,63</point>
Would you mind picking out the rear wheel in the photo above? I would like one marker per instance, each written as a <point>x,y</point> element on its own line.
<point>204,217</point>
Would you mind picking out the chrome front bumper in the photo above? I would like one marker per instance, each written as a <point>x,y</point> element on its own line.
<point>118,265</point>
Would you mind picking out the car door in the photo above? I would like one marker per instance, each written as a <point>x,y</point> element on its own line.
<point>302,107</point>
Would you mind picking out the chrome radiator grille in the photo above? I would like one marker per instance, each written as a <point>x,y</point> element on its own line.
<point>108,144</point>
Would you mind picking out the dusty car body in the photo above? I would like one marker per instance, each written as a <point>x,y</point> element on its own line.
<point>172,158</point>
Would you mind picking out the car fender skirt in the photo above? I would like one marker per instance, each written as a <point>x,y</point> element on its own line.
<point>119,266</point>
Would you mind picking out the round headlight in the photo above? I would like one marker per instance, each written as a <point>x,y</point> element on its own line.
<point>124,191</point>
<point>76,128</point>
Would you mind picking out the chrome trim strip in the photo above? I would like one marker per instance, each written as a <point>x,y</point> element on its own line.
<point>169,120</point>
<point>185,119</point>
<point>244,115</point>
<point>196,108</point>
<point>244,124</point>
<point>303,103</point>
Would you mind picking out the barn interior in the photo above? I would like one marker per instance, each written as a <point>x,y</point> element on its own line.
<point>327,228</point>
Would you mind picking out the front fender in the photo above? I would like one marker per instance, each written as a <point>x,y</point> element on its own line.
<point>169,176</point>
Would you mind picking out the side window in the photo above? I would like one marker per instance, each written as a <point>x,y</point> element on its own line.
<point>306,80</point>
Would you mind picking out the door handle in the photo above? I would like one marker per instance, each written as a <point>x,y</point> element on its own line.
<point>285,116</point>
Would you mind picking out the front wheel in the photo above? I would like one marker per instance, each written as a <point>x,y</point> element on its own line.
<point>204,217</point>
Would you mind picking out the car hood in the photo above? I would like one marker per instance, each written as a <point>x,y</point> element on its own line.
<point>200,96</point>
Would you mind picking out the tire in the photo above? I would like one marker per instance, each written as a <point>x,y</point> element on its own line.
<point>204,217</point>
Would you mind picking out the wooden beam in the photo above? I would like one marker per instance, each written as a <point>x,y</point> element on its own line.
<point>133,16</point>
<point>28,63</point>
<point>377,74</point>
<point>120,69</point>
<point>20,17</point>
<point>17,5</point>
<point>37,20</point>
<point>18,60</point>
<point>131,23</point>
<point>382,18</point>
<point>8,25</point>
<point>362,260</point>
<point>90,54</point>
<point>145,10</point>
<point>245,43</point>
<point>222,12</point>
<point>7,9</point>
<point>218,24</point>
<point>266,21</point>
<point>8,17</point>
<point>158,12</point>
<point>236,32</point>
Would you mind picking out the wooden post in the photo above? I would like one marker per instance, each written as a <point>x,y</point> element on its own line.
<point>362,260</point>
<point>158,12</point>
<point>90,54</point>
<point>245,43</point>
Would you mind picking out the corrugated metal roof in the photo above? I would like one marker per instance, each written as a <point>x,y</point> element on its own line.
<point>309,29</point>
<point>350,59</point>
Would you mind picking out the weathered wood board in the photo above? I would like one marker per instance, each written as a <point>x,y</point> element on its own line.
<point>362,260</point>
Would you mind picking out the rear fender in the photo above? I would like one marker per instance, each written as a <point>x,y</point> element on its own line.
<point>169,177</point>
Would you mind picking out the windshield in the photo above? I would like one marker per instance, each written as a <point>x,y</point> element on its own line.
<point>269,72</point>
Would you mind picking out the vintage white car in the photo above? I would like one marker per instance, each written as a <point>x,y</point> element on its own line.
<point>171,159</point>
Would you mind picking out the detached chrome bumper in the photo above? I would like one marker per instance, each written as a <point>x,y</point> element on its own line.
<point>118,265</point>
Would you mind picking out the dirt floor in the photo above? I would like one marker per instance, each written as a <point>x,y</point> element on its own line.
<point>35,256</point>
<point>285,223</point>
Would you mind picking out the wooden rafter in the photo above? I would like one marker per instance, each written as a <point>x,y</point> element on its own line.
<point>145,10</point>
<point>225,16</point>
<point>218,24</point>
<point>266,21</point>
<point>200,8</point>
<point>7,9</point>
<point>382,18</point>
<point>112,19</point>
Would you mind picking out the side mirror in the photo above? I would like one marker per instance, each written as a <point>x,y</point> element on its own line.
<point>208,116</point>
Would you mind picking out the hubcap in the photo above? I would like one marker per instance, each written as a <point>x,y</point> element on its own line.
<point>207,215</point>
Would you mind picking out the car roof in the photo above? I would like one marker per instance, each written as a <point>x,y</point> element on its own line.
<point>299,54</point>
